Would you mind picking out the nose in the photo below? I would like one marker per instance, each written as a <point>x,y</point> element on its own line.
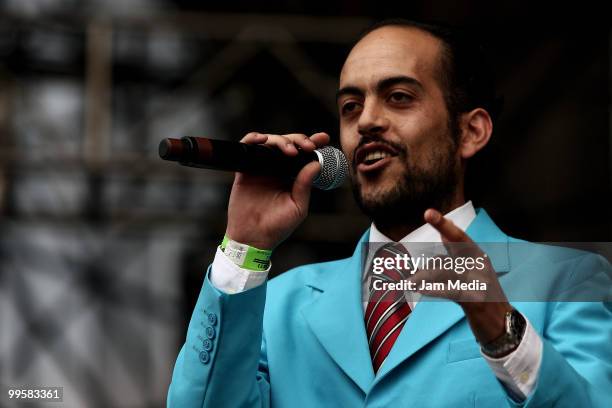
<point>373,119</point>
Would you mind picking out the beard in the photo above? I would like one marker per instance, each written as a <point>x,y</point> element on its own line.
<point>418,188</point>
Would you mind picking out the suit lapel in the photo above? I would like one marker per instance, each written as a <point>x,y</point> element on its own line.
<point>429,320</point>
<point>432,317</point>
<point>336,319</point>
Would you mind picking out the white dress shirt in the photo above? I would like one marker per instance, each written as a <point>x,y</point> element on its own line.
<point>518,371</point>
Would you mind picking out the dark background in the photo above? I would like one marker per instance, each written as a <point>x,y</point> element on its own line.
<point>104,245</point>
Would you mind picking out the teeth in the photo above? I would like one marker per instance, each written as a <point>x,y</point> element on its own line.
<point>376,155</point>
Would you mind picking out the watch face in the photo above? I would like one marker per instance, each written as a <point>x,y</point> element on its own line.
<point>515,329</point>
<point>518,324</point>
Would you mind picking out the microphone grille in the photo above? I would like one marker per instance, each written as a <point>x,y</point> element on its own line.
<point>334,168</point>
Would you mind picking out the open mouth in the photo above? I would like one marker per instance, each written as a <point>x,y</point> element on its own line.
<point>373,156</point>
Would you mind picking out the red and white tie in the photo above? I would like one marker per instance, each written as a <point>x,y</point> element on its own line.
<point>387,311</point>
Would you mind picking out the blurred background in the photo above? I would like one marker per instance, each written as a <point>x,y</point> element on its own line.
<point>103,245</point>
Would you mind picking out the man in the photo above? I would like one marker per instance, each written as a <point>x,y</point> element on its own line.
<point>414,107</point>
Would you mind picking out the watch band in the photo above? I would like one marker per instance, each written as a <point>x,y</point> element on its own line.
<point>514,329</point>
<point>246,256</point>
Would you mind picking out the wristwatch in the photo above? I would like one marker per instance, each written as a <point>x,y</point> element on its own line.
<point>514,325</point>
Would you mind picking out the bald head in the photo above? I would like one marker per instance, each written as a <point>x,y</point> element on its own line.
<point>462,68</point>
<point>395,51</point>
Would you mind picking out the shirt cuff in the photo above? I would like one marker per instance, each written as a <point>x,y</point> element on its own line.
<point>519,370</point>
<point>228,277</point>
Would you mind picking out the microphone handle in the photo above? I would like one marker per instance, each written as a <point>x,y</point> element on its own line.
<point>233,156</point>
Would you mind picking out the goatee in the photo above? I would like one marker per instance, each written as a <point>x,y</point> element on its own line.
<point>416,191</point>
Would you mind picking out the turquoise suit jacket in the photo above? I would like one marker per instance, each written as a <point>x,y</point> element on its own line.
<point>299,341</point>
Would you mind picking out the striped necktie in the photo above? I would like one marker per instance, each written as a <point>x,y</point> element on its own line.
<point>387,311</point>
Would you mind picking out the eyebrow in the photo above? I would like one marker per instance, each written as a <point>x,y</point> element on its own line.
<point>380,86</point>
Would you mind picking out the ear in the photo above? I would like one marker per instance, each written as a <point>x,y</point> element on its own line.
<point>476,128</point>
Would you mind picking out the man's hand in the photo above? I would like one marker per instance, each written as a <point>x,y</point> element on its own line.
<point>485,310</point>
<point>263,211</point>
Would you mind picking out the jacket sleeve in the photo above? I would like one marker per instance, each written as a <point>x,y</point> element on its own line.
<point>223,361</point>
<point>576,369</point>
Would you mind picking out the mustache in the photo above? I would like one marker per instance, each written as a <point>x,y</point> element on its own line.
<point>401,150</point>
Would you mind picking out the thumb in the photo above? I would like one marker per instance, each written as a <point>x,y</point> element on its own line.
<point>303,184</point>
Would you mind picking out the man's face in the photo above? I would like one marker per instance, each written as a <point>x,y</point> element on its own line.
<point>394,124</point>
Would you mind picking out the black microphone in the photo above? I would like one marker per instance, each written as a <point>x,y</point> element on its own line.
<point>255,159</point>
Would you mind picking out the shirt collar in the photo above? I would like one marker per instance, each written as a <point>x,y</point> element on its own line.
<point>462,217</point>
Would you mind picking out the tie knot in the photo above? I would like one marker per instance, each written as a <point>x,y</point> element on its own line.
<point>391,250</point>
<point>391,262</point>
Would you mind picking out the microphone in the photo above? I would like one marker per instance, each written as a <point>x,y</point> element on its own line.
<point>255,159</point>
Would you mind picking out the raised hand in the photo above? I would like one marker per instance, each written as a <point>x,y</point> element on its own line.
<point>263,211</point>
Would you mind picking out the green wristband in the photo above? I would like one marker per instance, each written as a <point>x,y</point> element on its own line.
<point>246,256</point>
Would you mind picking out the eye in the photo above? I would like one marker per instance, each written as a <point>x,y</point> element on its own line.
<point>400,97</point>
<point>349,107</point>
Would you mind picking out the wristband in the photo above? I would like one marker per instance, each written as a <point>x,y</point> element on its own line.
<point>246,256</point>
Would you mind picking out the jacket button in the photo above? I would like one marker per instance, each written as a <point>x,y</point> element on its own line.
<point>210,332</point>
<point>204,357</point>
<point>208,345</point>
<point>212,319</point>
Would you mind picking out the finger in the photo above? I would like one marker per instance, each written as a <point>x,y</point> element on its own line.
<point>320,139</point>
<point>455,240</point>
<point>254,138</point>
<point>283,143</point>
<point>447,229</point>
<point>302,141</point>
<point>303,184</point>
